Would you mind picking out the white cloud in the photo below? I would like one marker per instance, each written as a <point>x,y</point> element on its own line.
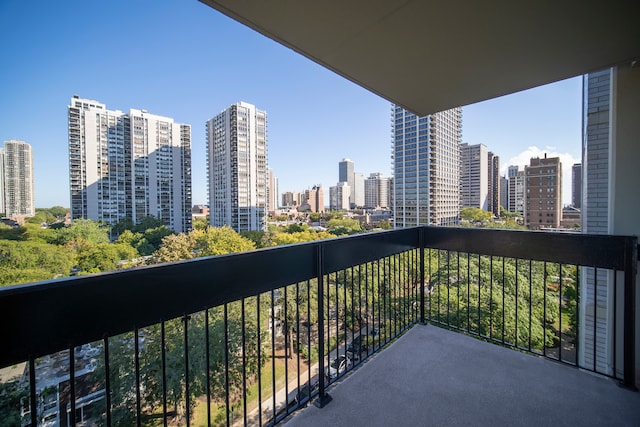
<point>566,159</point>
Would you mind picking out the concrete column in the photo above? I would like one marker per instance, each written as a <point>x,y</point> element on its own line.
<point>624,194</point>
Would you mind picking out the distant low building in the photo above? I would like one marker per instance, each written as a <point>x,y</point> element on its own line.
<point>571,218</point>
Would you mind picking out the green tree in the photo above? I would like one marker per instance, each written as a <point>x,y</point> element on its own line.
<point>315,216</point>
<point>475,214</point>
<point>24,262</point>
<point>146,223</point>
<point>200,223</point>
<point>175,247</point>
<point>104,256</point>
<point>344,226</point>
<point>384,224</point>
<point>220,240</point>
<point>92,232</point>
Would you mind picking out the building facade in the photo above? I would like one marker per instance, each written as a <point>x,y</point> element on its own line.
<point>426,162</point>
<point>237,168</point>
<point>339,196</point>
<point>376,191</point>
<point>515,195</point>
<point>17,198</point>
<point>346,173</point>
<point>504,192</point>
<point>543,199</point>
<point>474,176</point>
<point>314,199</point>
<point>494,181</point>
<point>128,165</point>
<point>576,185</point>
<point>273,191</point>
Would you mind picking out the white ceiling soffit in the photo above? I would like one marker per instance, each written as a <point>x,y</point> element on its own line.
<point>429,56</point>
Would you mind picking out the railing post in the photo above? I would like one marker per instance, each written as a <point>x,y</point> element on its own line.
<point>629,344</point>
<point>422,298</point>
<point>323,397</point>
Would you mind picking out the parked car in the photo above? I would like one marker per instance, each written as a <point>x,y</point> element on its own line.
<point>339,365</point>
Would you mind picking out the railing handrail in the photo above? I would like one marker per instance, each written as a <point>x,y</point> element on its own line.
<point>46,317</point>
<point>76,310</point>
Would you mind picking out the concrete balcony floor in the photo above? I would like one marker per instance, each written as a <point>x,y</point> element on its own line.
<point>434,377</point>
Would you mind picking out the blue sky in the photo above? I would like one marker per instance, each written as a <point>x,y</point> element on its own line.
<point>184,60</point>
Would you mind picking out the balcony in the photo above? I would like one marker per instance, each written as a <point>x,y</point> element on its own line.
<point>243,338</point>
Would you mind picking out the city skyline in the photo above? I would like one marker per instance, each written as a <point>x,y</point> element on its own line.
<point>313,112</point>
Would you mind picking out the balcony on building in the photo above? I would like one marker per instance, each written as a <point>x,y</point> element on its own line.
<point>419,315</point>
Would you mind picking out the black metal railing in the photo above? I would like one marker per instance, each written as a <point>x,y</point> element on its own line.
<point>248,338</point>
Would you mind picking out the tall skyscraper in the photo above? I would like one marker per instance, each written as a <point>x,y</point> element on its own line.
<point>339,196</point>
<point>314,199</point>
<point>376,191</point>
<point>426,159</point>
<point>576,185</point>
<point>2,204</point>
<point>273,191</point>
<point>16,183</point>
<point>474,176</point>
<point>493,195</point>
<point>128,165</point>
<point>346,174</point>
<point>237,168</point>
<point>358,190</point>
<point>543,186</point>
<point>516,190</point>
<point>504,192</point>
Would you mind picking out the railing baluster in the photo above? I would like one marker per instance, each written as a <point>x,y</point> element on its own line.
<point>163,353</point>
<point>595,318</point>
<point>226,363</point>
<point>517,318</point>
<point>544,311</point>
<point>560,316</point>
<point>186,371</point>
<point>491,297</point>
<point>244,360</point>
<point>33,402</point>
<point>207,361</point>
<point>259,342</point>
<point>273,357</point>
<point>72,388</point>
<point>530,300</point>
<point>479,294</point>
<point>323,397</point>
<point>503,282</point>
<point>107,380</point>
<point>448,287</point>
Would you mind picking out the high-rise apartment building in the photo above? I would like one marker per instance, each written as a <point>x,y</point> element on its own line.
<point>273,191</point>
<point>515,196</point>
<point>292,198</point>
<point>426,159</point>
<point>128,165</point>
<point>504,192</point>
<point>358,190</point>
<point>493,195</point>
<point>376,191</point>
<point>314,199</point>
<point>474,176</point>
<point>237,168</point>
<point>16,182</point>
<point>339,196</point>
<point>543,199</point>
<point>576,185</point>
<point>2,206</point>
